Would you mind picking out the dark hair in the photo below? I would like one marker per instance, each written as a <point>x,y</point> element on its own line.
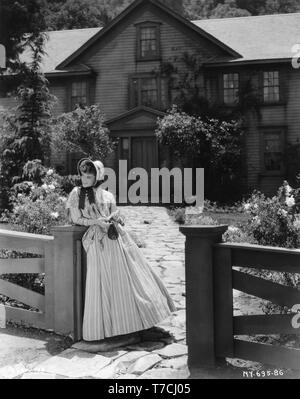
<point>87,166</point>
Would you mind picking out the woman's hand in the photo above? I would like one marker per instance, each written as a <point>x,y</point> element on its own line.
<point>115,216</point>
<point>102,221</point>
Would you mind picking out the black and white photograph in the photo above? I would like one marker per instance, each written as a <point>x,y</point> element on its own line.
<point>149,192</point>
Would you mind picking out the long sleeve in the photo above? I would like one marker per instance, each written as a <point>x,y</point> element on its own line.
<point>74,212</point>
<point>76,218</point>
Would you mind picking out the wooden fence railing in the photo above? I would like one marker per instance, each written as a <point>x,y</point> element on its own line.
<point>212,328</point>
<point>62,261</point>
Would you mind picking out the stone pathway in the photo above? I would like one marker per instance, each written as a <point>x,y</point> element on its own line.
<point>128,357</point>
<point>154,355</point>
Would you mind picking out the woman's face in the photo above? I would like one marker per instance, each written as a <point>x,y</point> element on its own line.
<point>88,179</point>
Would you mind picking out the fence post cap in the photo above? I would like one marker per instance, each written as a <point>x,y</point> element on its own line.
<point>203,230</point>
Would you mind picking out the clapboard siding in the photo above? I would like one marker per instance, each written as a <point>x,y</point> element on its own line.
<point>284,115</point>
<point>114,57</point>
<point>293,109</point>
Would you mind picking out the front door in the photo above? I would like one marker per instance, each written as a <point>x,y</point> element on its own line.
<point>144,153</point>
<point>140,152</point>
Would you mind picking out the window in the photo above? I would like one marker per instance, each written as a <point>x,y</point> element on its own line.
<point>150,91</point>
<point>148,41</point>
<point>230,87</point>
<point>78,94</point>
<point>271,86</point>
<point>273,151</point>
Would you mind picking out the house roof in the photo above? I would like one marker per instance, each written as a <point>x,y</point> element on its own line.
<point>253,39</point>
<point>264,37</point>
<point>162,7</point>
<point>60,45</point>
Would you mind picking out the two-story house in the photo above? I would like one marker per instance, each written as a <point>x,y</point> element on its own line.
<point>119,66</point>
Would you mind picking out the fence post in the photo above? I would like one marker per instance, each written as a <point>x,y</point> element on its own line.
<point>199,292</point>
<point>67,282</point>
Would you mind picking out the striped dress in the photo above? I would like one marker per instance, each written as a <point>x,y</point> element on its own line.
<point>123,294</point>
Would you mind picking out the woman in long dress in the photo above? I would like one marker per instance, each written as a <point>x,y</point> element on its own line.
<point>123,294</point>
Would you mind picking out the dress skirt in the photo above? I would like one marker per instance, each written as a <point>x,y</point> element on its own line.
<point>123,293</point>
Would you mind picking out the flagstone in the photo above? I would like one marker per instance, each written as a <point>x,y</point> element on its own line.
<point>12,371</point>
<point>175,363</point>
<point>144,363</point>
<point>172,265</point>
<point>74,363</point>
<point>172,350</point>
<point>173,257</point>
<point>165,373</point>
<point>38,376</point>
<point>127,376</point>
<point>120,365</point>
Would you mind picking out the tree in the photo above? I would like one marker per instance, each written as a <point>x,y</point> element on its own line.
<point>24,133</point>
<point>175,5</point>
<point>260,7</point>
<point>255,7</point>
<point>211,144</point>
<point>21,24</point>
<point>281,6</point>
<point>199,9</point>
<point>228,10</point>
<point>82,131</point>
<point>76,14</point>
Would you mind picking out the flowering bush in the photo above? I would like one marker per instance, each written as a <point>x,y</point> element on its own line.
<point>83,131</point>
<point>216,142</point>
<point>236,234</point>
<point>275,221</point>
<point>37,204</point>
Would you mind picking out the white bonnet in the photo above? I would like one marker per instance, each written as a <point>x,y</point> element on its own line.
<point>98,166</point>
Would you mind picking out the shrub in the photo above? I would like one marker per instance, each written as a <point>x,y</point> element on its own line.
<point>235,234</point>
<point>275,222</point>
<point>179,215</point>
<point>37,204</point>
<point>212,144</point>
<point>82,131</point>
<point>67,183</point>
